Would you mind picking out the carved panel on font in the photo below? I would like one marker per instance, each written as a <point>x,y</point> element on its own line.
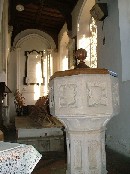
<point>67,95</point>
<point>97,94</point>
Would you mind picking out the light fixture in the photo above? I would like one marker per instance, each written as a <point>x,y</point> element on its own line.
<point>19,7</point>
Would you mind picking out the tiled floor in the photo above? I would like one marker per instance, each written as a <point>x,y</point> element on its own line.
<point>55,163</point>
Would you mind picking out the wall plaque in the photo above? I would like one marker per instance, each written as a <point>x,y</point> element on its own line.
<point>34,68</point>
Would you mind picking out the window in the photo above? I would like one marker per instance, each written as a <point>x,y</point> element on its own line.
<point>90,44</point>
<point>65,64</point>
<point>47,69</point>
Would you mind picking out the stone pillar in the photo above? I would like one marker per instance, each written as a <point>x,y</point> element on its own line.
<point>18,86</point>
<point>1,11</point>
<point>84,100</point>
<point>49,64</point>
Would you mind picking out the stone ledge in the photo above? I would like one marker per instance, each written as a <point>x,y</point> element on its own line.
<point>79,71</point>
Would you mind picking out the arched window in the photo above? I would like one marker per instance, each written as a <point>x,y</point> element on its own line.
<point>89,43</point>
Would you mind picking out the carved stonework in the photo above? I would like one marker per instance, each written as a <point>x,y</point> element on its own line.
<point>84,103</point>
<point>92,151</point>
<point>67,95</point>
<point>78,154</point>
<point>97,94</point>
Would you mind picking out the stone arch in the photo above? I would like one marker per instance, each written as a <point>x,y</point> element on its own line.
<point>22,36</point>
<point>64,46</point>
<point>84,19</point>
<point>87,33</point>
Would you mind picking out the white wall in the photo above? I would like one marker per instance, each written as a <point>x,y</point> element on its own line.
<point>3,36</point>
<point>110,56</point>
<point>63,41</point>
<point>1,10</point>
<point>28,45</point>
<point>114,55</point>
<point>16,67</point>
<point>84,20</point>
<point>75,15</point>
<point>124,23</point>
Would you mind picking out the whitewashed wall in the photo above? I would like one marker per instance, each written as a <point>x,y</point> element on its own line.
<point>16,66</point>
<point>124,24</point>
<point>63,40</point>
<point>113,55</point>
<point>75,15</point>
<point>1,10</point>
<point>4,36</point>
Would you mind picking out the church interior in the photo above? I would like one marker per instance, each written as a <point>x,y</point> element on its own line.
<point>44,46</point>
